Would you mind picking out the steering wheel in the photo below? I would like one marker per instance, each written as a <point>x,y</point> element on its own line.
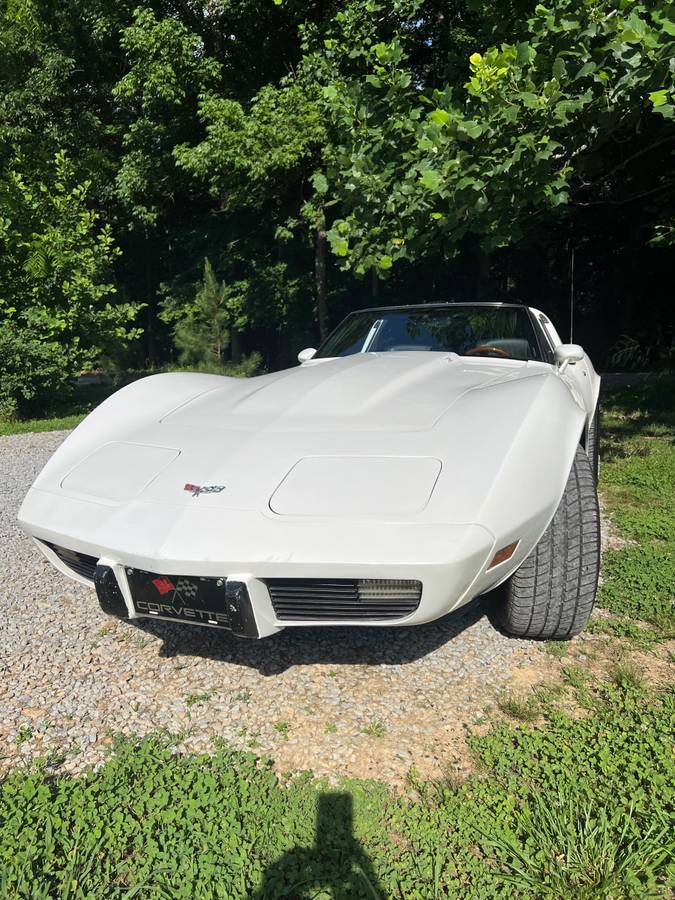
<point>478,351</point>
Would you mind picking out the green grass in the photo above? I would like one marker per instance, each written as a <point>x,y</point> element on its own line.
<point>578,809</point>
<point>638,484</point>
<point>65,414</point>
<point>525,710</point>
<point>572,808</point>
<point>63,423</point>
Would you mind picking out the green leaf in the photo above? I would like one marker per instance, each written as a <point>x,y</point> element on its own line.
<point>330,92</point>
<point>430,178</point>
<point>559,68</point>
<point>385,262</point>
<point>320,183</point>
<point>472,129</point>
<point>658,98</point>
<point>439,116</point>
<point>530,100</point>
<point>585,70</point>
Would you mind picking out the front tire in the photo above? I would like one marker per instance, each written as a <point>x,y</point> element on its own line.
<point>551,595</point>
<point>593,442</point>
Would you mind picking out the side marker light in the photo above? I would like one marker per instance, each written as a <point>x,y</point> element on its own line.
<point>503,554</point>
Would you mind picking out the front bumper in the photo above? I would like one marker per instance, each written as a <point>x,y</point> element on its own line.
<point>251,548</point>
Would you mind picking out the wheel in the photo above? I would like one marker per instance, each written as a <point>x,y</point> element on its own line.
<point>551,595</point>
<point>593,443</point>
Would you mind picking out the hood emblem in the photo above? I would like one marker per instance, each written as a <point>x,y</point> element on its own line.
<point>196,489</point>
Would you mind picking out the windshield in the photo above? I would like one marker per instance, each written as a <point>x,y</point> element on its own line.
<point>505,332</point>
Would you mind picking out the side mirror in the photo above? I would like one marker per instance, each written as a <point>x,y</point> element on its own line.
<point>306,355</point>
<point>567,355</point>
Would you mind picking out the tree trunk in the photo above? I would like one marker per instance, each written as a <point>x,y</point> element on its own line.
<point>151,308</point>
<point>320,257</point>
<point>375,285</point>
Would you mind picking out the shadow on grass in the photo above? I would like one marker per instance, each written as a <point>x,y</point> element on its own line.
<point>645,407</point>
<point>336,865</point>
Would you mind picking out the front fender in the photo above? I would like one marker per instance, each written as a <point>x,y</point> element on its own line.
<point>127,410</point>
<point>511,446</point>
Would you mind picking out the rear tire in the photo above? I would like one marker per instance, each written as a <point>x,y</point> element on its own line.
<point>551,595</point>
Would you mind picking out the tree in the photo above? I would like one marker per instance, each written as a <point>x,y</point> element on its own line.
<point>201,328</point>
<point>557,119</point>
<point>55,267</point>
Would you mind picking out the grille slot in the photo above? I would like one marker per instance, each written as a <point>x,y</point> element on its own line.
<point>296,599</point>
<point>83,565</point>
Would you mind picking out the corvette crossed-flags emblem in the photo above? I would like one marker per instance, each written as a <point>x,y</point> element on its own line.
<point>183,589</point>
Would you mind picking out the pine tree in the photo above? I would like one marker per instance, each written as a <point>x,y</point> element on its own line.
<point>202,336</point>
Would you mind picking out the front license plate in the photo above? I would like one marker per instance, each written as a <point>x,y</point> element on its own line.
<point>202,601</point>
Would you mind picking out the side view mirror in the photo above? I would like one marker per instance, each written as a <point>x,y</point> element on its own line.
<point>306,355</point>
<point>568,354</point>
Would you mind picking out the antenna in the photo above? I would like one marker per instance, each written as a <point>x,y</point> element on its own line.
<point>572,296</point>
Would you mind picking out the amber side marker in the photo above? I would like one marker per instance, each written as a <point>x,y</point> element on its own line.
<point>503,554</point>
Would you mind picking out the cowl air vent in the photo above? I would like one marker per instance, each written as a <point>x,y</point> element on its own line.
<point>80,563</point>
<point>311,599</point>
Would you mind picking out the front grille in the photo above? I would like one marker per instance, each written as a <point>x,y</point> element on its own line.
<point>343,598</point>
<point>83,565</point>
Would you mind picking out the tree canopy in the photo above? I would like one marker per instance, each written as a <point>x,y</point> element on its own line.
<point>325,156</point>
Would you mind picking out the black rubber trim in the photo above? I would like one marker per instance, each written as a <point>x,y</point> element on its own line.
<point>80,563</point>
<point>109,593</point>
<point>240,610</point>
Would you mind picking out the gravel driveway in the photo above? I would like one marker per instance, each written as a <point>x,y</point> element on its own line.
<point>355,702</point>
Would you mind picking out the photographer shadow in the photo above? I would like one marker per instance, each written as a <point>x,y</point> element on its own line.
<point>335,864</point>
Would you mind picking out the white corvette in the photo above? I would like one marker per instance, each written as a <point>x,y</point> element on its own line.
<point>421,457</point>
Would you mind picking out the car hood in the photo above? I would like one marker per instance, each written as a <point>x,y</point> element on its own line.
<point>395,437</point>
<point>403,391</point>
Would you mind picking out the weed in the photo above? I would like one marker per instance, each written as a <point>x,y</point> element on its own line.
<point>331,728</point>
<point>626,675</point>
<point>25,733</point>
<point>195,699</point>
<point>374,729</point>
<point>575,676</point>
<point>581,850</point>
<point>332,673</point>
<point>556,648</point>
<point>283,728</point>
<point>243,696</point>
<point>526,710</point>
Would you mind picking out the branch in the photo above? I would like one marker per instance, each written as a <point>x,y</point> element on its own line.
<point>656,190</point>
<point>629,159</point>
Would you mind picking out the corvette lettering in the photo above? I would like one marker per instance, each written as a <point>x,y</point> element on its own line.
<point>187,612</point>
<point>196,489</point>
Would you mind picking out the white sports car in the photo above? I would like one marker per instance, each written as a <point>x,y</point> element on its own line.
<point>421,457</point>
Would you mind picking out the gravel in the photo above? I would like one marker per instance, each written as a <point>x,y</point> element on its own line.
<point>71,678</point>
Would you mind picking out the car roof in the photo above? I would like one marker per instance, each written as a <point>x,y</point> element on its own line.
<point>437,305</point>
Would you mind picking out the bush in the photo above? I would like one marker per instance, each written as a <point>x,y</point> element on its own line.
<point>34,376</point>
